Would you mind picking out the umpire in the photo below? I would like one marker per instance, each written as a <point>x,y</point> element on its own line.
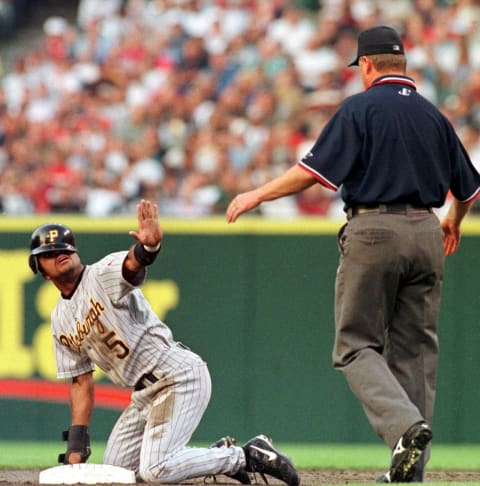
<point>396,157</point>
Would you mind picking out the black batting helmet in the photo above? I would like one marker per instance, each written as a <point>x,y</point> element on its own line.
<point>50,237</point>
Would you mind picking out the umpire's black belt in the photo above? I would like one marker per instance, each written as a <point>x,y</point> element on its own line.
<point>386,209</point>
<point>145,380</point>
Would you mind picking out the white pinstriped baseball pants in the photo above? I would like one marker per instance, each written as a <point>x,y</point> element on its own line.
<point>151,435</point>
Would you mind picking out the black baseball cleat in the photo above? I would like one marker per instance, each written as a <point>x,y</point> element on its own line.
<point>406,454</point>
<point>262,457</point>
<point>385,478</point>
<point>241,475</point>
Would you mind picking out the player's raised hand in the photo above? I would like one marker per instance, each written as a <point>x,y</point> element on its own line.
<point>149,231</point>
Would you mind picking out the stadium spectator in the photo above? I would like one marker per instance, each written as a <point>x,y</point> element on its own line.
<point>193,100</point>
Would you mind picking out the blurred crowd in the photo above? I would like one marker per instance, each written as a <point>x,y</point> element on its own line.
<point>13,15</point>
<point>189,102</point>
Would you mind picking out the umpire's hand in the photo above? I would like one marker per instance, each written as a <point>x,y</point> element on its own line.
<point>241,204</point>
<point>451,225</point>
<point>451,237</point>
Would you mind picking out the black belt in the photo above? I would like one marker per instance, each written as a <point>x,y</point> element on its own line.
<point>387,209</point>
<point>146,380</point>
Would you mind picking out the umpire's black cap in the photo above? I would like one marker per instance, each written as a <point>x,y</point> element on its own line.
<point>378,40</point>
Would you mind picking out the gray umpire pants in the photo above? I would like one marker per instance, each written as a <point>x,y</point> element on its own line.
<point>387,299</point>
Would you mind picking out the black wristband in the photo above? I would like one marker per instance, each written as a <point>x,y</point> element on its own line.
<point>78,440</point>
<point>143,256</point>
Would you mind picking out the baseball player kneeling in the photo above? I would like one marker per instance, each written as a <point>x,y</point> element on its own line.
<point>103,319</point>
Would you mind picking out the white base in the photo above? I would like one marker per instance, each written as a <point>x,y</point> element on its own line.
<point>86,474</point>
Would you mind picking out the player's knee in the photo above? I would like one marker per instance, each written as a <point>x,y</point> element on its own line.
<point>147,473</point>
<point>158,473</point>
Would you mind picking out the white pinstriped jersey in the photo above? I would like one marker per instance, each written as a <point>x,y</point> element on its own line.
<point>108,322</point>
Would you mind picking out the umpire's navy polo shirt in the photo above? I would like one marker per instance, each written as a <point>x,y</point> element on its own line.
<point>389,144</point>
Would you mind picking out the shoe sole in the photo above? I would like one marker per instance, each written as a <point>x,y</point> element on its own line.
<point>401,472</point>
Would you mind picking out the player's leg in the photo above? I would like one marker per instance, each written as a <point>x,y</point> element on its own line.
<point>125,441</point>
<point>177,409</point>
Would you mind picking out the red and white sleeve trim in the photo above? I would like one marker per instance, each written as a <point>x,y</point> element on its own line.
<point>473,196</point>
<point>321,179</point>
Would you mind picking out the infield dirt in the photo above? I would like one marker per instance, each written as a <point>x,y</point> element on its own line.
<point>21,477</point>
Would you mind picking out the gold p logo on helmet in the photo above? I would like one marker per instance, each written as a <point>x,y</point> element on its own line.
<point>52,236</point>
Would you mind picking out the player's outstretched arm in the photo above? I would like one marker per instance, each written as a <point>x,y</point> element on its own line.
<point>149,238</point>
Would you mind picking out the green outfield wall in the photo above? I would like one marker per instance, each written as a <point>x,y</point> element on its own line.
<point>255,299</point>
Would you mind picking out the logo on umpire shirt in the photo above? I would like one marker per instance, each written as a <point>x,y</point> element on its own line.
<point>405,92</point>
